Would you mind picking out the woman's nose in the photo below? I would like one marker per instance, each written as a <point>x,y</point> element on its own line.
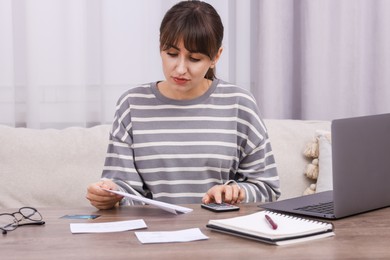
<point>181,66</point>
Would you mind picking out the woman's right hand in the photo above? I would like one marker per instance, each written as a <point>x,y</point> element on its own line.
<point>102,199</point>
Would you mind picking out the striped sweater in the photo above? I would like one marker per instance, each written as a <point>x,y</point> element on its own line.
<point>176,150</point>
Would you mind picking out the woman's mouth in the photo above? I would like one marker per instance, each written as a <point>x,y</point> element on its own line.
<point>180,81</point>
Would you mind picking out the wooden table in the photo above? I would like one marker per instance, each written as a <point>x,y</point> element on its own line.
<point>364,236</point>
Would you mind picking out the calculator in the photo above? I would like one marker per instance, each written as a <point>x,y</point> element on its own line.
<point>220,207</point>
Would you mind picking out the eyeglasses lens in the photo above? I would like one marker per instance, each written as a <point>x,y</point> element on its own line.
<point>8,222</point>
<point>30,214</point>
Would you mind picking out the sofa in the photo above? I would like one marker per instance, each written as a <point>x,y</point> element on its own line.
<point>49,167</point>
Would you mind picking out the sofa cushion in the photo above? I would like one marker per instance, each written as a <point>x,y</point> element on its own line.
<point>325,177</point>
<point>288,140</point>
<point>50,167</point>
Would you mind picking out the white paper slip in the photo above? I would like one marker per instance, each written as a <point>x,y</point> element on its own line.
<point>175,209</point>
<point>185,235</point>
<point>117,226</point>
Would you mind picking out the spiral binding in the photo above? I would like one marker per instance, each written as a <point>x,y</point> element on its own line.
<point>297,218</point>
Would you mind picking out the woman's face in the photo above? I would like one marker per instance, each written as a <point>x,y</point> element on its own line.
<point>184,72</point>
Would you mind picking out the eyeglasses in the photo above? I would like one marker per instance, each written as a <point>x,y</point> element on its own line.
<point>10,221</point>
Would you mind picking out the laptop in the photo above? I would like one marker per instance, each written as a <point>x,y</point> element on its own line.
<point>360,168</point>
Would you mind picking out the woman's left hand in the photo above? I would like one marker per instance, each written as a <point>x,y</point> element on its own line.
<point>232,194</point>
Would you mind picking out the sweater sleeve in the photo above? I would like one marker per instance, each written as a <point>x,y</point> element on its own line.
<point>119,163</point>
<point>257,173</point>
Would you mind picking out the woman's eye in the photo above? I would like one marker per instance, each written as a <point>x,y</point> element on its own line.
<point>171,54</point>
<point>194,59</point>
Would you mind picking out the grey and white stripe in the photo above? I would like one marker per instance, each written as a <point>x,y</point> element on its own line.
<point>175,150</point>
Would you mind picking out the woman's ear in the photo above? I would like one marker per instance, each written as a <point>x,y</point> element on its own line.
<point>216,58</point>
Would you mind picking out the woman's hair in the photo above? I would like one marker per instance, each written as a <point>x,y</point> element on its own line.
<point>197,24</point>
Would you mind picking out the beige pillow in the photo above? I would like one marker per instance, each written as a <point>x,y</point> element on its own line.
<point>325,178</point>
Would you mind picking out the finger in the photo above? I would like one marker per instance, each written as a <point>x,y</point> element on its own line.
<point>106,184</point>
<point>228,193</point>
<point>95,193</point>
<point>206,199</point>
<point>214,195</point>
<point>100,205</point>
<point>241,195</point>
<point>98,198</point>
<point>236,193</point>
<point>109,184</point>
<point>217,194</point>
<point>102,202</point>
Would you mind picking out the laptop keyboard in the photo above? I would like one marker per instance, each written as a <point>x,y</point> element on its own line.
<point>326,208</point>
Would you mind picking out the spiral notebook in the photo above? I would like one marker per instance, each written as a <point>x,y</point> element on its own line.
<point>290,229</point>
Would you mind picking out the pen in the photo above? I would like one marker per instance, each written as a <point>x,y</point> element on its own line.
<point>271,222</point>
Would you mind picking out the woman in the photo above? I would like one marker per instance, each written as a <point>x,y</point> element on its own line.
<point>191,138</point>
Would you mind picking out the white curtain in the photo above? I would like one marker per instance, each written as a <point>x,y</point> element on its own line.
<point>65,62</point>
<point>322,59</point>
